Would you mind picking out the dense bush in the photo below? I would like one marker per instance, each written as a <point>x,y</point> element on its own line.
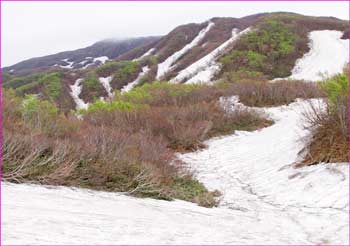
<point>91,81</point>
<point>52,83</point>
<point>119,69</point>
<point>263,49</point>
<point>126,69</point>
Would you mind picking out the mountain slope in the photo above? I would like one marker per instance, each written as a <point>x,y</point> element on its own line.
<point>267,45</point>
<point>94,54</point>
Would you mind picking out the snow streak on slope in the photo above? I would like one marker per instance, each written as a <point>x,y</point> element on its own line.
<point>69,65</point>
<point>76,90</point>
<point>101,59</point>
<point>131,85</point>
<point>149,52</point>
<point>205,68</point>
<point>327,56</point>
<point>106,84</point>
<point>165,66</point>
<point>265,200</point>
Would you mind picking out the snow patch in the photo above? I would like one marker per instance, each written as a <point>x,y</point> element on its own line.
<point>327,56</point>
<point>101,59</point>
<point>131,85</point>
<point>105,81</point>
<point>149,52</point>
<point>69,65</point>
<point>165,66</point>
<point>205,68</point>
<point>75,92</point>
<point>204,76</point>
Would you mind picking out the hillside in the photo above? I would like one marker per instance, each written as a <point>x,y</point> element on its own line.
<point>264,45</point>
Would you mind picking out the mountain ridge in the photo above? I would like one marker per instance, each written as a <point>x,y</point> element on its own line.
<point>266,45</point>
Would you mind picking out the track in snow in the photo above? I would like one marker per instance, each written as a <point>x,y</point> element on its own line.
<point>265,200</point>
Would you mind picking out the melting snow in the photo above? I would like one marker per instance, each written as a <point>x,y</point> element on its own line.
<point>70,64</point>
<point>205,68</point>
<point>76,90</point>
<point>106,84</point>
<point>149,52</point>
<point>101,59</point>
<point>265,200</point>
<point>327,56</point>
<point>131,85</point>
<point>165,66</point>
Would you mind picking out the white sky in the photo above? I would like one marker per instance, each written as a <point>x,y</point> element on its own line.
<point>31,29</point>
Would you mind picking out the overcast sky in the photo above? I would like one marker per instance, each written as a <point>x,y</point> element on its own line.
<point>32,29</point>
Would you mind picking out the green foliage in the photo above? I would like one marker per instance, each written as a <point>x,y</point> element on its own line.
<point>188,189</point>
<point>27,82</point>
<point>24,88</point>
<point>148,92</point>
<point>121,70</point>
<point>126,69</point>
<point>37,112</point>
<point>152,60</point>
<point>91,81</point>
<point>260,50</point>
<point>336,87</point>
<point>52,82</point>
<point>109,106</point>
<point>108,67</point>
<point>255,60</point>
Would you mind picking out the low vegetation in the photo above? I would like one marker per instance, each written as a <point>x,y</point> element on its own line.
<point>329,140</point>
<point>263,93</point>
<point>126,145</point>
<point>264,49</point>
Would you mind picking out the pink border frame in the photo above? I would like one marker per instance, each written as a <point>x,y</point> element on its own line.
<point>348,119</point>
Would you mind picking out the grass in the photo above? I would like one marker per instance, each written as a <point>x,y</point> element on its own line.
<point>329,132</point>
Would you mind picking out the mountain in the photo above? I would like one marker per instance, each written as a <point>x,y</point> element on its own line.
<point>92,55</point>
<point>268,45</point>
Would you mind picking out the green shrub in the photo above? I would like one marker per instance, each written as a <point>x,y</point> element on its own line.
<point>52,82</point>
<point>150,93</point>
<point>126,69</point>
<point>108,67</point>
<point>39,113</point>
<point>109,106</point>
<point>261,49</point>
<point>152,60</point>
<point>336,87</point>
<point>91,81</point>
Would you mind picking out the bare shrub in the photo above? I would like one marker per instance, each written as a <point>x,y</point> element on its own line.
<point>265,93</point>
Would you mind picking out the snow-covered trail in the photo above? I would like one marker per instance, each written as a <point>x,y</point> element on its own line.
<point>265,200</point>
